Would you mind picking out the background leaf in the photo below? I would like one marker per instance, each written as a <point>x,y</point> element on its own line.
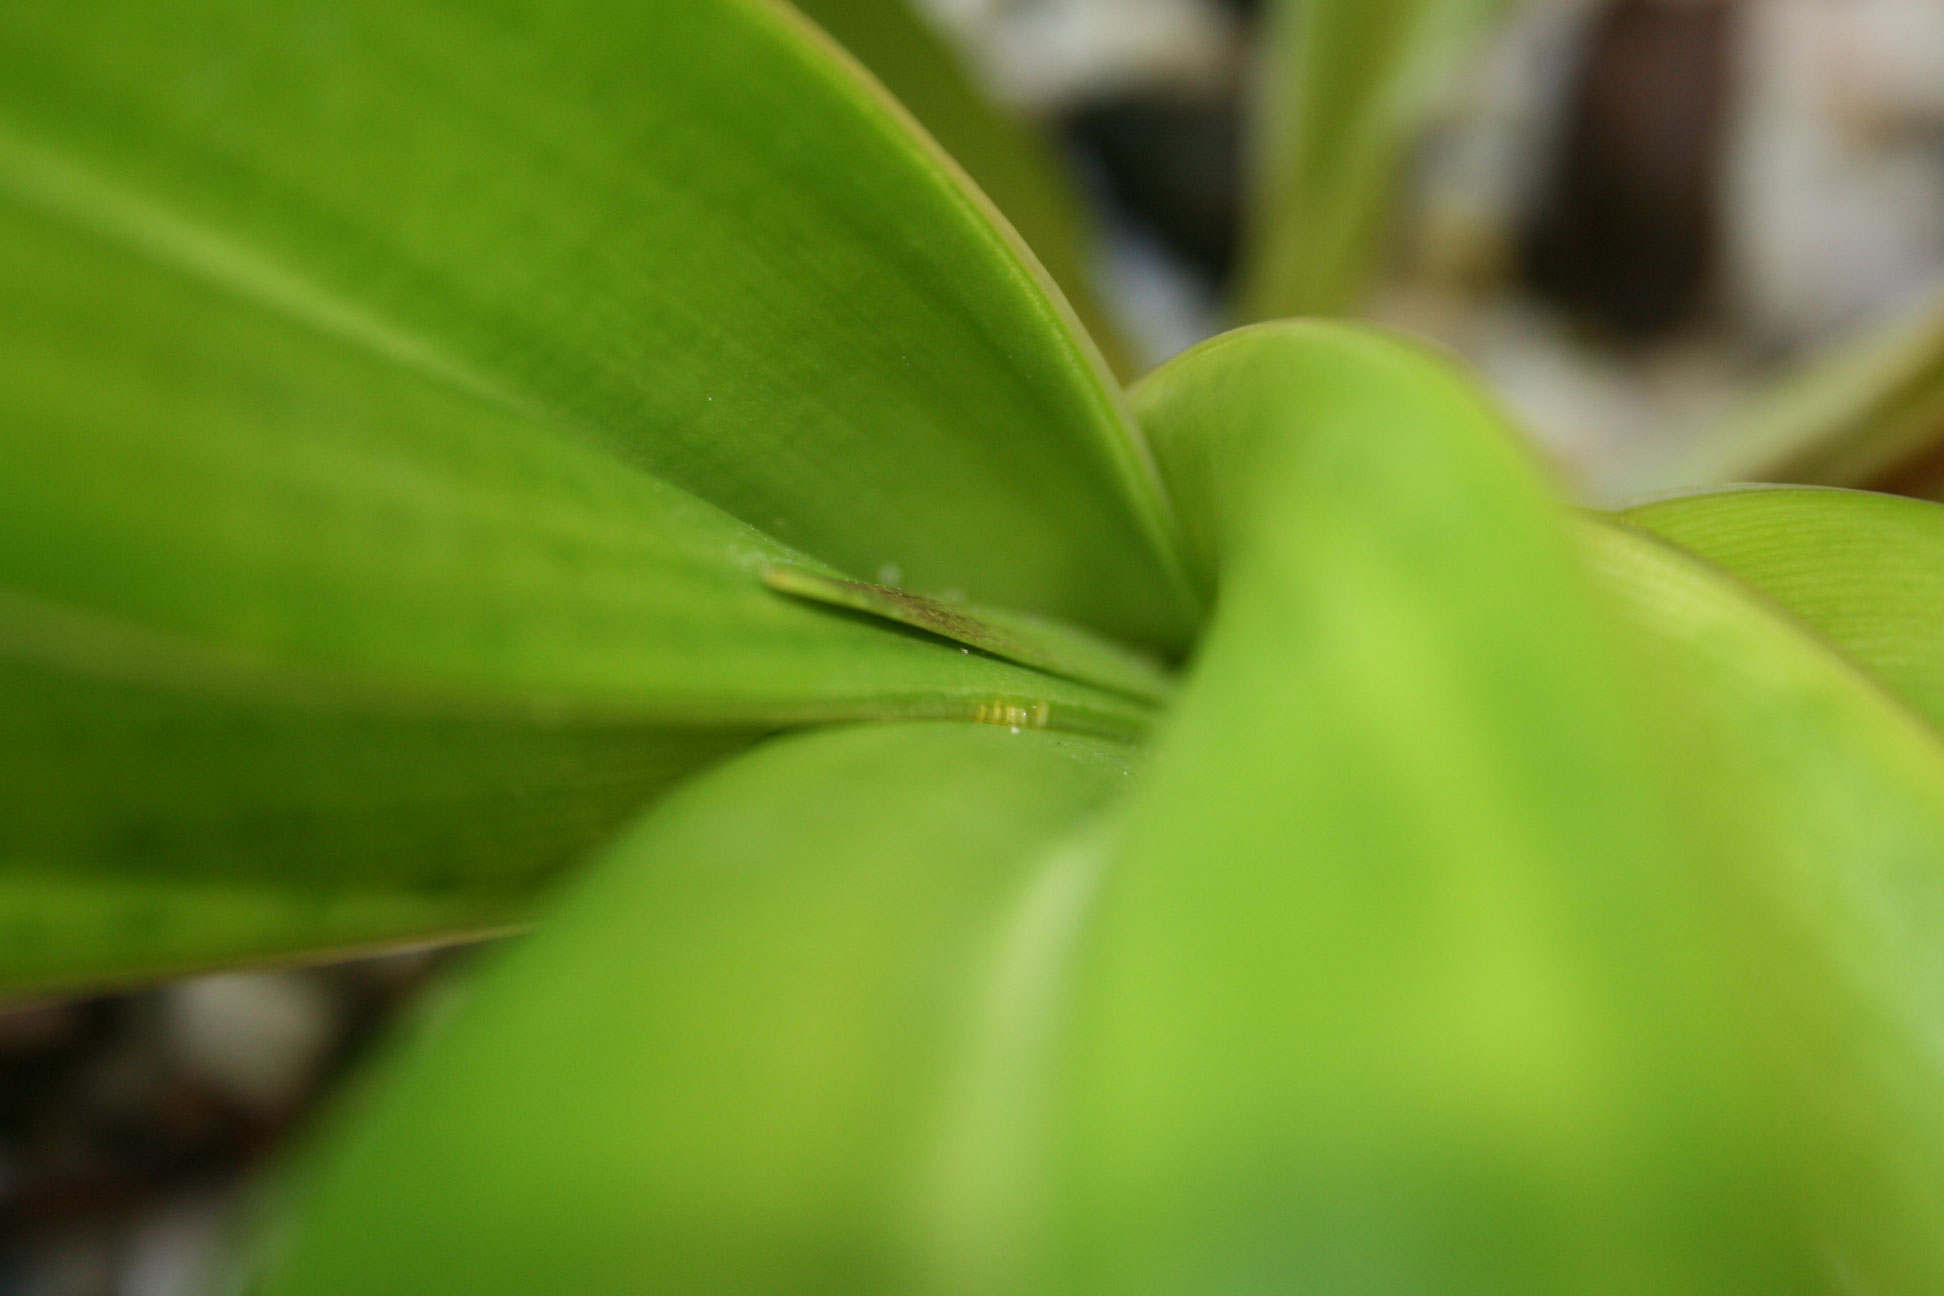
<point>1346,91</point>
<point>1865,570</point>
<point>1866,412</point>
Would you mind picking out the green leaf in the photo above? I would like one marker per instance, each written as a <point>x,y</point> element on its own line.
<point>1012,162</point>
<point>1865,570</point>
<point>1866,412</point>
<point>800,1012</point>
<point>686,232</point>
<point>1831,797</point>
<point>1405,979</point>
<point>1347,91</point>
<point>313,634</point>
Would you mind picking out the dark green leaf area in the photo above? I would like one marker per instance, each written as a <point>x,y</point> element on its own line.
<point>152,828</point>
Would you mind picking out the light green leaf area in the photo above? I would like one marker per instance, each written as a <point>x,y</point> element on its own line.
<point>361,649</point>
<point>1013,163</point>
<point>689,234</point>
<point>801,1012</point>
<point>1866,570</point>
<point>1346,91</point>
<point>1868,411</point>
<point>1404,980</point>
<point>1832,795</point>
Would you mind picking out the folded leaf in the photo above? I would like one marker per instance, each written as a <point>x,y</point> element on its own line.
<point>686,232</point>
<point>1395,973</point>
<point>1866,570</point>
<point>802,1012</point>
<point>1404,980</point>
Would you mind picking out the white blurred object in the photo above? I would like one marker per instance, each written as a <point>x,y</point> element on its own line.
<point>1831,216</point>
<point>176,1250</point>
<point>257,1038</point>
<point>1043,55</point>
<point>1163,307</point>
<point>1834,181</point>
<point>1483,161</point>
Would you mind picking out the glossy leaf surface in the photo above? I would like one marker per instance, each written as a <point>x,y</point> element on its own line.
<point>688,234</point>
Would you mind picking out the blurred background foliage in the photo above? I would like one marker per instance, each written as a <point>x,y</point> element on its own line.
<point>1687,241</point>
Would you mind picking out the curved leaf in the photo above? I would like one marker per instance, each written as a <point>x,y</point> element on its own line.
<point>1866,570</point>
<point>363,649</point>
<point>1832,797</point>
<point>1400,971</point>
<point>800,1011</point>
<point>1405,980</point>
<point>686,231</point>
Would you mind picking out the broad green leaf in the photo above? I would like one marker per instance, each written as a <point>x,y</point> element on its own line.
<point>1868,412</point>
<point>1404,980</point>
<point>304,648</point>
<point>685,232</point>
<point>1866,570</point>
<point>797,1018</point>
<point>1832,795</point>
<point>1011,162</point>
<point>1346,90</point>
